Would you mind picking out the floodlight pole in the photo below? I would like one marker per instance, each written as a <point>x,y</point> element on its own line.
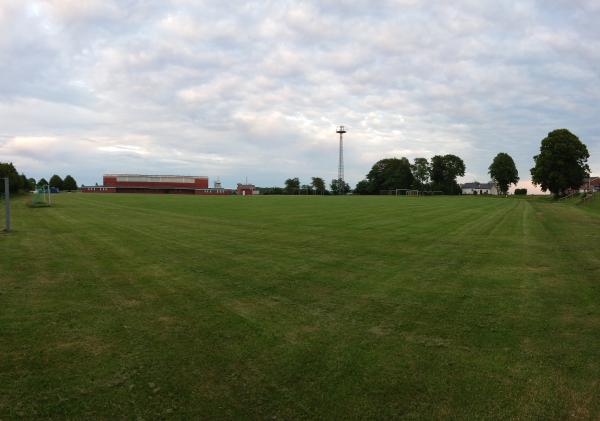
<point>7,204</point>
<point>341,130</point>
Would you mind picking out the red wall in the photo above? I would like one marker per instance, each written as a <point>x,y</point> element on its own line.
<point>109,181</point>
<point>199,183</point>
<point>94,189</point>
<point>248,191</point>
<point>215,193</point>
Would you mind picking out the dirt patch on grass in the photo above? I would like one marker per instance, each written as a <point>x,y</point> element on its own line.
<point>127,302</point>
<point>88,344</point>
<point>297,335</point>
<point>430,341</point>
<point>167,320</point>
<point>380,330</point>
<point>247,308</point>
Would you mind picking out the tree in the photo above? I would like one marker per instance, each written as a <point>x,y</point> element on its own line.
<point>561,163</point>
<point>15,182</point>
<point>503,172</point>
<point>305,188</point>
<point>318,184</point>
<point>292,185</point>
<point>444,171</point>
<point>27,184</point>
<point>69,183</point>
<point>43,183</point>
<point>421,171</point>
<point>56,181</point>
<point>364,187</point>
<point>520,192</point>
<point>391,174</point>
<point>337,188</point>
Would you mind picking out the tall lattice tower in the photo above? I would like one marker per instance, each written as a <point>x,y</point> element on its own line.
<point>341,131</point>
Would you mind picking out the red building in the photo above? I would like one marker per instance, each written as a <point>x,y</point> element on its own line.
<point>246,189</point>
<point>161,184</point>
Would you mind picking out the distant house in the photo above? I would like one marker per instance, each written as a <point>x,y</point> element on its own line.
<point>591,184</point>
<point>246,189</point>
<point>479,188</point>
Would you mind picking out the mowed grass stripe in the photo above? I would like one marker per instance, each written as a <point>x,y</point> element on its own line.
<point>299,307</point>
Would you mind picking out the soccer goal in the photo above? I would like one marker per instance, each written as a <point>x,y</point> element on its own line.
<point>407,192</point>
<point>41,197</point>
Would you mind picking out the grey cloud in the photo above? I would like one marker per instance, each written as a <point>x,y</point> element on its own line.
<point>255,88</point>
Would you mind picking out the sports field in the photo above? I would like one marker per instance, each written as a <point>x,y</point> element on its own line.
<point>126,306</point>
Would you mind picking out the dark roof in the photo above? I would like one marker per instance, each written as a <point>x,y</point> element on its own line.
<point>486,186</point>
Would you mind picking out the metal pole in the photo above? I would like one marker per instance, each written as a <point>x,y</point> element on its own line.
<point>48,187</point>
<point>7,204</point>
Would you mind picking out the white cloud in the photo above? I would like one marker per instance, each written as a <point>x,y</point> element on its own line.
<point>256,88</point>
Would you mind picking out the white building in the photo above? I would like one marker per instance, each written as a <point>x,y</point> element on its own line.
<point>479,188</point>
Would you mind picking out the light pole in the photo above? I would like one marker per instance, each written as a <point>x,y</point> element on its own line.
<point>7,204</point>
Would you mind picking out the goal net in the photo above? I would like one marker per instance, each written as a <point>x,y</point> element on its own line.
<point>41,197</point>
<point>407,192</point>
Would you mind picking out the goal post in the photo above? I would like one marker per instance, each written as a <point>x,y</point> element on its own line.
<point>7,204</point>
<point>407,192</point>
<point>41,197</point>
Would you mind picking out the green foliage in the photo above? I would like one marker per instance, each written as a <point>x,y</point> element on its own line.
<point>421,172</point>
<point>391,174</point>
<point>444,171</point>
<point>335,187</point>
<point>318,184</point>
<point>56,181</point>
<point>69,183</point>
<point>31,184</point>
<point>364,187</point>
<point>43,183</point>
<point>520,192</point>
<point>15,182</point>
<point>306,189</point>
<point>270,190</point>
<point>503,172</point>
<point>561,163</point>
<point>292,185</point>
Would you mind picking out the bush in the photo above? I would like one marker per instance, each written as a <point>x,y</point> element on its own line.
<point>520,192</point>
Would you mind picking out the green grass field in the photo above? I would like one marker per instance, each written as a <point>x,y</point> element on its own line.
<point>127,306</point>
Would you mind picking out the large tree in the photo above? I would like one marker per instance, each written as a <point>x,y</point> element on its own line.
<point>318,184</point>
<point>421,171</point>
<point>444,171</point>
<point>15,182</point>
<point>503,172</point>
<point>391,174</point>
<point>69,183</point>
<point>561,163</point>
<point>56,181</point>
<point>306,189</point>
<point>42,182</point>
<point>338,188</point>
<point>364,187</point>
<point>292,185</point>
<point>27,184</point>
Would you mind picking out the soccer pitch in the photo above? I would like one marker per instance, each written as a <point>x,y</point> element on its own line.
<point>126,306</point>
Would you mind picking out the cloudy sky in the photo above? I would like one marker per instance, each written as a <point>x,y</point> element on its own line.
<point>255,89</point>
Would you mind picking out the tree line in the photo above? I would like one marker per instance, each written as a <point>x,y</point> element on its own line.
<point>317,185</point>
<point>561,165</point>
<point>389,174</point>
<point>20,182</point>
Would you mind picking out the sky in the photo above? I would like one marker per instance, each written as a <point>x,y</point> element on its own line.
<point>240,89</point>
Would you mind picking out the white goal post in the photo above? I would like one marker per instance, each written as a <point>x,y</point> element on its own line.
<point>407,192</point>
